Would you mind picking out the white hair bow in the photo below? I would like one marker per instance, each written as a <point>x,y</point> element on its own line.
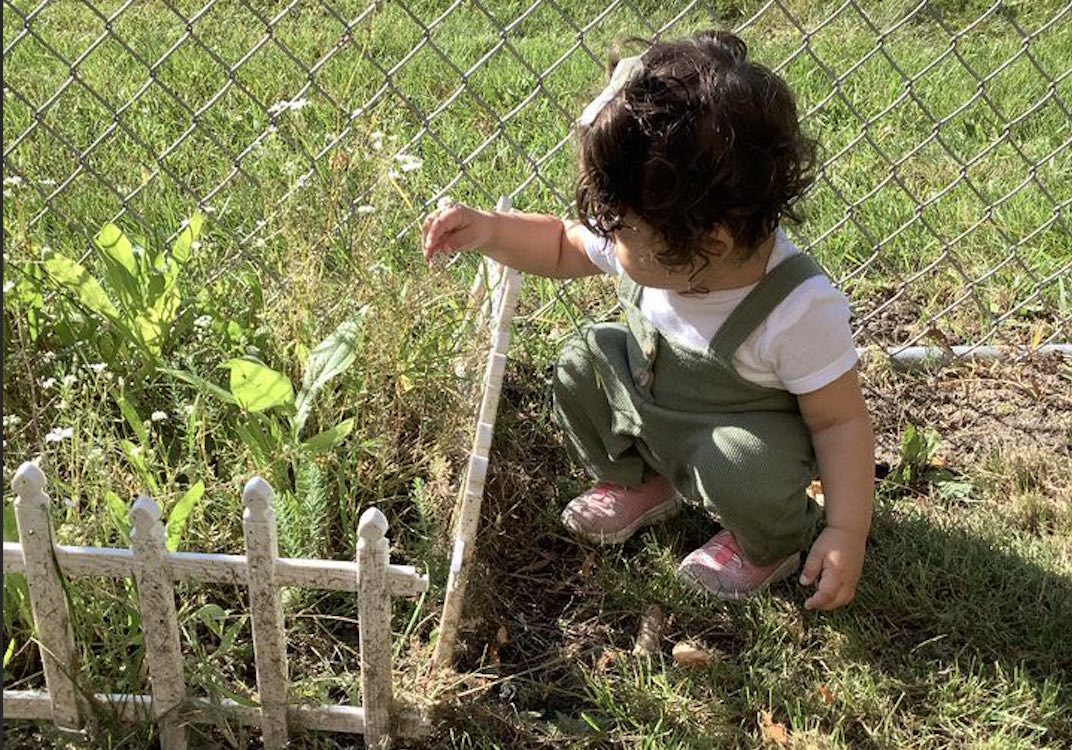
<point>625,71</point>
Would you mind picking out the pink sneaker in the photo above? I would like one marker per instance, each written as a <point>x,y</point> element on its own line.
<point>720,568</point>
<point>611,513</point>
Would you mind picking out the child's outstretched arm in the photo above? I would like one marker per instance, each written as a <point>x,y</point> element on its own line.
<point>533,243</point>
<point>844,444</point>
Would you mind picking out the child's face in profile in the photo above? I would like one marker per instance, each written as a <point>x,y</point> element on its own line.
<point>636,245</point>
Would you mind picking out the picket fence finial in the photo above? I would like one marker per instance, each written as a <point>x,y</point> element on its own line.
<point>29,484</point>
<point>372,525</point>
<point>145,515</point>
<point>257,496</point>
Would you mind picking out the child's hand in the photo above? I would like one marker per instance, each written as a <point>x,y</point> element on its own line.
<point>455,229</point>
<point>836,559</point>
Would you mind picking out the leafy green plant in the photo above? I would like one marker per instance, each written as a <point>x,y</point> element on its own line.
<point>271,424</point>
<point>138,299</point>
<point>921,464</point>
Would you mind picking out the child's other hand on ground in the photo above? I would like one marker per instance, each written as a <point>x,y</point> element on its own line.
<point>835,560</point>
<point>455,229</point>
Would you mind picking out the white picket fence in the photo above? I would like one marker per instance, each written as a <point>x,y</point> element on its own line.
<point>372,577</point>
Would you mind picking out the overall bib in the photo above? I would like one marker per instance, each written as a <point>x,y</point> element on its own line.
<point>633,404</point>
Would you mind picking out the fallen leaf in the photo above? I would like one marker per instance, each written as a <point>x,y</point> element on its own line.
<point>588,565</point>
<point>773,731</point>
<point>687,655</point>
<point>651,631</point>
<point>827,694</point>
<point>605,660</point>
<point>815,491</point>
<point>502,637</point>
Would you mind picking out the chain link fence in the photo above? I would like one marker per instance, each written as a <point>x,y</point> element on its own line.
<point>941,204</point>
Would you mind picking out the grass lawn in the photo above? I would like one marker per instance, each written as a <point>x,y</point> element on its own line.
<point>941,208</point>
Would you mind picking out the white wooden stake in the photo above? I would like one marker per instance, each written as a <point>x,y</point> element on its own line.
<point>374,628</point>
<point>48,603</point>
<point>467,511</point>
<point>266,611</point>
<point>156,601</point>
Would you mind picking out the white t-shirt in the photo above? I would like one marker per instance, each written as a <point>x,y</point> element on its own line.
<point>804,344</point>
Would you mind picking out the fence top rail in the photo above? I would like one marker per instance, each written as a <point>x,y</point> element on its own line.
<point>116,562</point>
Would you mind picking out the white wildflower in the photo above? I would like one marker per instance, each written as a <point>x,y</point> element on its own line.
<point>58,434</point>
<point>365,210</point>
<point>48,383</point>
<point>48,356</point>
<point>69,380</point>
<point>70,503</point>
<point>8,286</point>
<point>187,409</point>
<point>394,174</point>
<point>445,202</point>
<point>409,162</point>
<point>377,141</point>
<point>12,181</point>
<point>12,420</point>
<point>203,321</point>
<point>98,367</point>
<point>286,105</point>
<point>158,416</point>
<point>195,245</point>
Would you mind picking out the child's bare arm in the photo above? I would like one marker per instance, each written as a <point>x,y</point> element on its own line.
<point>844,444</point>
<point>533,243</point>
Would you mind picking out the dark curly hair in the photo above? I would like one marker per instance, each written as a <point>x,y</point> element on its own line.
<point>701,137</point>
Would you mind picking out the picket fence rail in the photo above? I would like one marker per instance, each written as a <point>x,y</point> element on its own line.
<point>372,577</point>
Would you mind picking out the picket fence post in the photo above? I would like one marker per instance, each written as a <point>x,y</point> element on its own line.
<point>266,611</point>
<point>48,601</point>
<point>156,603</point>
<point>374,628</point>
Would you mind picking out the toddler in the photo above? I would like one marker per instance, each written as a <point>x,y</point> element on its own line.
<point>733,378</point>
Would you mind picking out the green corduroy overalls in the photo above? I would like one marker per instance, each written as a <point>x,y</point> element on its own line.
<point>633,403</point>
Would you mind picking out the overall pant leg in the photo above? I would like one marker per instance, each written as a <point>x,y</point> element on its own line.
<point>752,471</point>
<point>582,409</point>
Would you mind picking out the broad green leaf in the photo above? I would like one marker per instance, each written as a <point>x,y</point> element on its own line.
<point>230,634</point>
<point>74,276</point>
<point>181,250</point>
<point>135,421</point>
<point>120,513</point>
<point>118,247</point>
<point>257,387</point>
<point>121,267</point>
<point>180,514</point>
<point>202,385</point>
<point>150,331</point>
<point>328,439</point>
<point>212,616</point>
<point>331,357</point>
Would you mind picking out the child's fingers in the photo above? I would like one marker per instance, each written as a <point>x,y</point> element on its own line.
<point>825,596</point>
<point>813,565</point>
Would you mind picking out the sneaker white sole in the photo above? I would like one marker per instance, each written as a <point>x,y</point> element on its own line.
<point>783,571</point>
<point>659,513</point>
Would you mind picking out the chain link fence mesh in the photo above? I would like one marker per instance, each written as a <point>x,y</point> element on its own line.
<point>941,204</point>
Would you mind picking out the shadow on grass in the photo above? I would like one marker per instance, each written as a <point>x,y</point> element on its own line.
<point>958,627</point>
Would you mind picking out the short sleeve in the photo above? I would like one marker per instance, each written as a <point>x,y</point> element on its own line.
<point>600,251</point>
<point>810,337</point>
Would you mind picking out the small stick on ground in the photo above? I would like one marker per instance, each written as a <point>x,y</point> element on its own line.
<point>652,625</point>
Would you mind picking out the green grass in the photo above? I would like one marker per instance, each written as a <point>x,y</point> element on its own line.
<point>956,640</point>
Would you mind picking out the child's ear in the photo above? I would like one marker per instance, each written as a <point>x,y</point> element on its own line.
<point>720,242</point>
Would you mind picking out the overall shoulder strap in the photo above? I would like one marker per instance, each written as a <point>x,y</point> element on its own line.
<point>761,301</point>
